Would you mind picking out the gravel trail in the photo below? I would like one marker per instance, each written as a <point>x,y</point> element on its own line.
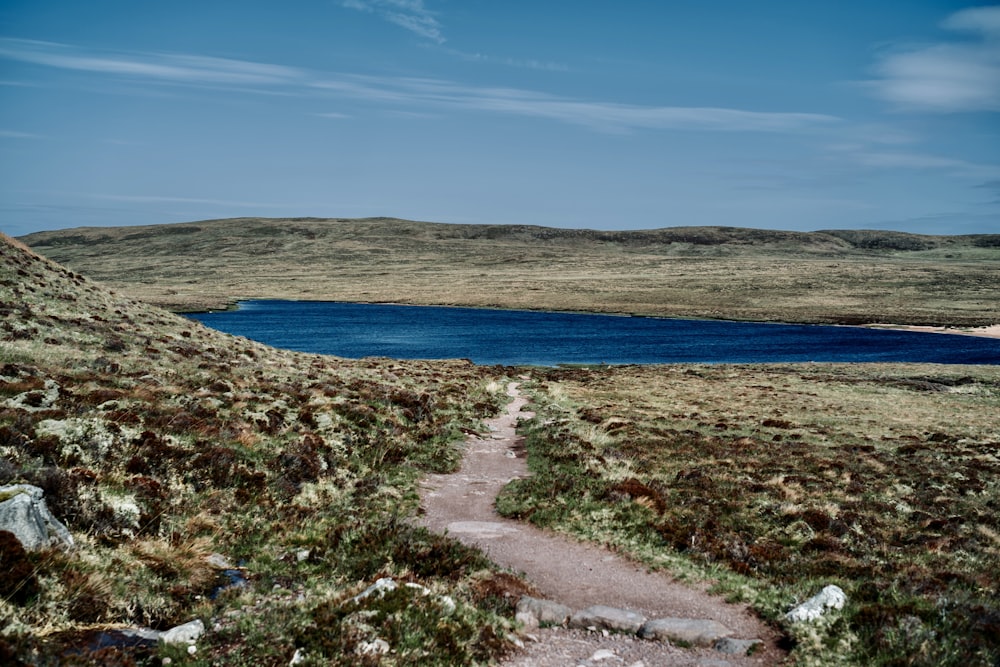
<point>573,573</point>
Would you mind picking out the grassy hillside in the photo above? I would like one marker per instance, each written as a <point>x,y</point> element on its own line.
<point>160,443</point>
<point>775,481</point>
<point>714,272</point>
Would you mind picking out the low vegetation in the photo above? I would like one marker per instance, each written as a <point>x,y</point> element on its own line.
<point>843,277</point>
<point>777,480</point>
<point>205,476</point>
<point>184,460</point>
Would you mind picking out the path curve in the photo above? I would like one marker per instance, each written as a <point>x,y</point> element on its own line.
<point>573,573</point>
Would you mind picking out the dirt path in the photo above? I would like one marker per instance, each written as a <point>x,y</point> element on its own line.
<point>574,573</point>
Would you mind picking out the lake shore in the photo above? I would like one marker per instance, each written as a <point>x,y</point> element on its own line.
<point>982,332</point>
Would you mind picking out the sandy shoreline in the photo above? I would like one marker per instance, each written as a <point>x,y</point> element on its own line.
<point>983,332</point>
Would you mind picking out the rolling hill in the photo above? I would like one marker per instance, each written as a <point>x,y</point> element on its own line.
<point>846,276</point>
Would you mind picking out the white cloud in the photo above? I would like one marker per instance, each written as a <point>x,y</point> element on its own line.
<point>402,93</point>
<point>172,67</point>
<point>408,14</point>
<point>884,159</point>
<point>604,116</point>
<point>976,19</point>
<point>951,76</point>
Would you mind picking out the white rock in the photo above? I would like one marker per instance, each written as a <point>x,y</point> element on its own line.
<point>423,590</point>
<point>187,633</point>
<point>381,587</point>
<point>603,654</point>
<point>831,597</point>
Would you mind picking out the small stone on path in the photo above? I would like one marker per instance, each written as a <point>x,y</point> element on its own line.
<point>694,632</point>
<point>607,618</point>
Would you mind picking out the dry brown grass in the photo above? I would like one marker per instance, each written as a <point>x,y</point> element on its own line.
<point>842,277</point>
<point>882,478</point>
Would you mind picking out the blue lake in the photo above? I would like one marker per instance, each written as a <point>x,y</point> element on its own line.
<point>515,337</point>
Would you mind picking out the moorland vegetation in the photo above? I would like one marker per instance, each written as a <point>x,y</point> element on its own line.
<point>162,444</point>
<point>841,277</point>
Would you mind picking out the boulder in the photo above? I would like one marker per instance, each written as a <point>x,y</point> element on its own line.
<point>545,612</point>
<point>688,631</point>
<point>23,512</point>
<point>607,618</point>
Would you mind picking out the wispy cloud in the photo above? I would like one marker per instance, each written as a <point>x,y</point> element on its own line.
<point>408,14</point>
<point>866,156</point>
<point>950,76</point>
<point>164,199</point>
<point>172,67</point>
<point>521,63</point>
<point>14,134</point>
<point>404,93</point>
<point>604,116</point>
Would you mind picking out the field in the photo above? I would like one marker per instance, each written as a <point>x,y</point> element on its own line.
<point>846,277</point>
<point>777,480</point>
<point>162,443</point>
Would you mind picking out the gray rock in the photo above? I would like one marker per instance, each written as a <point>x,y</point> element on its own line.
<point>188,633</point>
<point>23,512</point>
<point>690,631</point>
<point>545,612</point>
<point>607,618</point>
<point>831,597</point>
<point>737,646</point>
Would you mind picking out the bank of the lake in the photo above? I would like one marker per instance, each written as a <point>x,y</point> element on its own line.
<point>519,337</point>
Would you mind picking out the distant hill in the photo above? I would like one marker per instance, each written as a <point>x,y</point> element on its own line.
<point>846,276</point>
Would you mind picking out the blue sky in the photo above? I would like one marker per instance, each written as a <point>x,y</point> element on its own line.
<point>790,114</point>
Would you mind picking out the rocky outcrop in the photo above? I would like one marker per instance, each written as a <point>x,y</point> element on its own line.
<point>23,512</point>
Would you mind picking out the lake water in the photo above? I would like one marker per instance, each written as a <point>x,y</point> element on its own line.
<point>515,337</point>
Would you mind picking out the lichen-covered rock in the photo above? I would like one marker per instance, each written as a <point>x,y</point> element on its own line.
<point>831,597</point>
<point>23,512</point>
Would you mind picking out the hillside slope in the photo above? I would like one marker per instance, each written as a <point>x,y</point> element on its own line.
<point>182,459</point>
<point>715,272</point>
